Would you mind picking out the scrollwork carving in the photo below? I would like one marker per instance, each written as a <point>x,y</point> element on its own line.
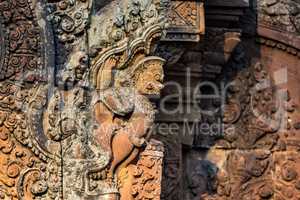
<point>140,180</point>
<point>70,18</point>
<point>21,53</point>
<point>124,75</point>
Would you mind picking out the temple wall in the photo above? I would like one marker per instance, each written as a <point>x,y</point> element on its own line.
<point>248,148</point>
<point>149,99</point>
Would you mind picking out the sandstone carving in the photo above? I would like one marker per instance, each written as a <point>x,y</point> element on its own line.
<point>280,14</point>
<point>63,125</point>
<point>80,82</point>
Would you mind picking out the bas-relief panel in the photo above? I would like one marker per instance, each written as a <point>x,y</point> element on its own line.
<point>258,154</point>
<point>73,91</point>
<point>75,76</point>
<point>257,158</point>
<point>185,21</point>
<point>56,127</point>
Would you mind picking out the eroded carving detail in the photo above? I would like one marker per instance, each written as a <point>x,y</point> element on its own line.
<point>255,108</point>
<point>21,53</point>
<point>140,180</point>
<point>32,166</point>
<point>48,129</point>
<point>121,75</point>
<point>280,14</point>
<point>69,18</point>
<point>246,175</point>
<point>186,21</point>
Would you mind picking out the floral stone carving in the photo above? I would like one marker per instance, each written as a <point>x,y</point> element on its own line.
<point>71,124</point>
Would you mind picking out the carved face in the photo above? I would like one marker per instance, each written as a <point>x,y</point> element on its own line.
<point>150,80</point>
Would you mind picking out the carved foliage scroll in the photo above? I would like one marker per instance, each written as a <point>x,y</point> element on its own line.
<point>21,41</point>
<point>259,148</point>
<point>47,121</point>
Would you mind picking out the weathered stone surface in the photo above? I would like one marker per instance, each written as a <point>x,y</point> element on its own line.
<point>186,21</point>
<point>280,14</point>
<point>260,114</point>
<point>74,97</point>
<point>77,84</point>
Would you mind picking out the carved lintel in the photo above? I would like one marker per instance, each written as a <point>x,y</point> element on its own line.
<point>185,21</point>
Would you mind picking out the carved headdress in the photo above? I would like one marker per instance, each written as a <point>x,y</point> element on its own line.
<point>137,26</point>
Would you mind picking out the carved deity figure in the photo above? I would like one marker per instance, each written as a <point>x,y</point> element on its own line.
<point>124,112</point>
